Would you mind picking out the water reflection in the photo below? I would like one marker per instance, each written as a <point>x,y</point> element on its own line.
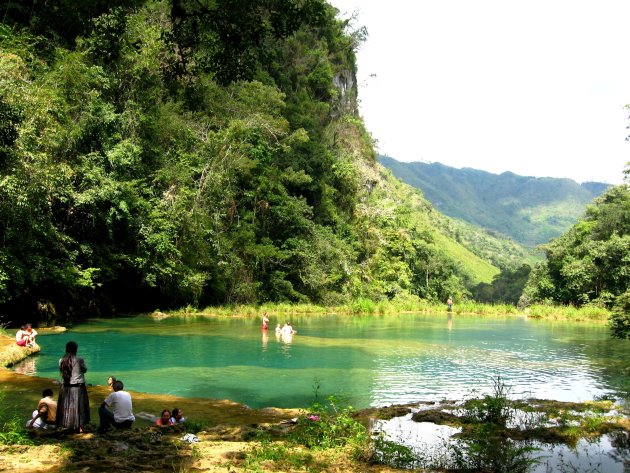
<point>287,340</point>
<point>587,455</point>
<point>449,322</point>
<point>433,442</point>
<point>620,442</point>
<point>27,366</point>
<point>265,340</point>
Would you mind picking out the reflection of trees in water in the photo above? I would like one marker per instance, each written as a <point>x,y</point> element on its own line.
<point>612,358</point>
<point>620,441</point>
<point>27,366</point>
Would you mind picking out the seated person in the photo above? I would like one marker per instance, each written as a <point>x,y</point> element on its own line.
<point>165,419</point>
<point>21,337</point>
<point>31,334</point>
<point>120,412</point>
<point>177,416</point>
<point>110,382</point>
<point>45,416</point>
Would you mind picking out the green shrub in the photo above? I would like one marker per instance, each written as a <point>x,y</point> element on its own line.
<point>620,318</point>
<point>495,408</point>
<point>485,449</point>
<point>393,454</point>
<point>283,457</point>
<point>363,306</point>
<point>193,426</point>
<point>330,426</point>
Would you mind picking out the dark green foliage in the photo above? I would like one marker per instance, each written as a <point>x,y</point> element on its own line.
<point>227,37</point>
<point>10,119</point>
<point>506,287</point>
<point>530,210</point>
<point>197,152</point>
<point>620,318</point>
<point>63,19</point>
<point>329,426</point>
<point>105,40</point>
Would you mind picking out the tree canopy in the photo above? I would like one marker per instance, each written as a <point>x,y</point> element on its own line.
<point>163,153</point>
<point>590,263</point>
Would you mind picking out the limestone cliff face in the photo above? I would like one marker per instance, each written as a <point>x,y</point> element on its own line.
<point>345,82</point>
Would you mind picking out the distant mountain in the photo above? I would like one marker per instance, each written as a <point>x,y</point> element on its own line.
<point>531,210</point>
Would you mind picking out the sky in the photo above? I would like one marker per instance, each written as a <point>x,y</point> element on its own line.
<point>535,87</point>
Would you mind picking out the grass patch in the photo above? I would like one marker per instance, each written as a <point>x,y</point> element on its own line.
<point>402,304</point>
<point>283,456</point>
<point>575,314</point>
<point>12,429</point>
<point>323,429</point>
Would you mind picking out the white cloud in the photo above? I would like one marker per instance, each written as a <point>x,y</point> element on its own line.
<point>534,87</point>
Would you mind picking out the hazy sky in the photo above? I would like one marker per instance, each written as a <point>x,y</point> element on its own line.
<point>536,87</point>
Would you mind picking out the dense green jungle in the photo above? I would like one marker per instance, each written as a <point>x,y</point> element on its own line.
<point>159,154</point>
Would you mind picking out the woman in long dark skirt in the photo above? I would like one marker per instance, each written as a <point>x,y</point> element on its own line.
<point>73,405</point>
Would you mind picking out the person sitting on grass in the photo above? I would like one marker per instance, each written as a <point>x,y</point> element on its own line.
<point>120,412</point>
<point>45,417</point>
<point>177,416</point>
<point>165,419</point>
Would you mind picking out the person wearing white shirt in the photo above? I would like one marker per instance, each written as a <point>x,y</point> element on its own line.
<point>116,410</point>
<point>21,337</point>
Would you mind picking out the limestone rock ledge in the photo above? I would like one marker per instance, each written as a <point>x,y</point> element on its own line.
<point>11,354</point>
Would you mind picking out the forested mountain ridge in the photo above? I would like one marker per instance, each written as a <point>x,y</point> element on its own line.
<point>164,153</point>
<point>530,210</point>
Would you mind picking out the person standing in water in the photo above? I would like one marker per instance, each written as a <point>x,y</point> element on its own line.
<point>265,321</point>
<point>449,303</point>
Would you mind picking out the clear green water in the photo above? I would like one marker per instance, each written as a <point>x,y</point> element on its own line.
<point>364,361</point>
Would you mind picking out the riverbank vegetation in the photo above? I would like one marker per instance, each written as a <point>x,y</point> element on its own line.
<point>398,305</point>
<point>589,266</point>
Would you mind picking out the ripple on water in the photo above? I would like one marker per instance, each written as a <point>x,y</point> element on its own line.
<point>367,360</point>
